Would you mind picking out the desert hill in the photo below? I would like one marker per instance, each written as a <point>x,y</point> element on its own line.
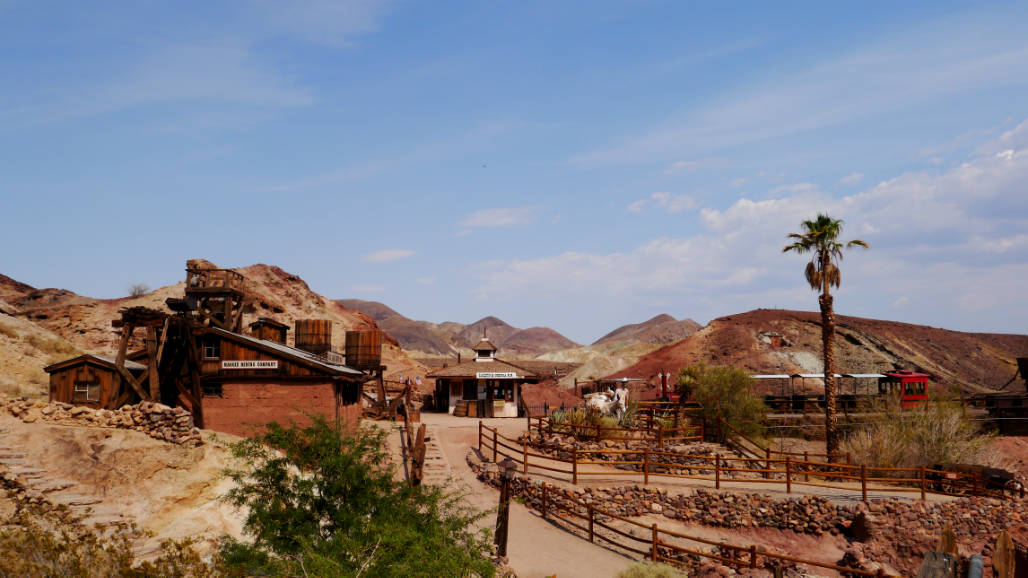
<point>662,329</point>
<point>85,322</point>
<point>973,361</point>
<point>412,335</point>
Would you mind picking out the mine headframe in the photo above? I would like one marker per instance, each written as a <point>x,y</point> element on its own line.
<point>216,295</point>
<point>172,361</point>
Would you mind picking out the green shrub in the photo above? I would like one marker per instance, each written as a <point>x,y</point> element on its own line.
<point>726,392</point>
<point>320,503</point>
<point>933,433</point>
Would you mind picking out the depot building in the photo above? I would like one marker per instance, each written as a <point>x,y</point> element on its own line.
<point>486,386</point>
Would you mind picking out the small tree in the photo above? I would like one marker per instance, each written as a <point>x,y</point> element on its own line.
<point>138,289</point>
<point>321,503</point>
<point>723,391</point>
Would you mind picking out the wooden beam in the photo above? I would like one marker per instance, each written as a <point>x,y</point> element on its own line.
<point>164,339</point>
<point>132,382</point>
<point>189,340</point>
<point>151,363</point>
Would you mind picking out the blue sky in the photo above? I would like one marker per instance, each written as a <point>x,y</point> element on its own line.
<point>573,165</point>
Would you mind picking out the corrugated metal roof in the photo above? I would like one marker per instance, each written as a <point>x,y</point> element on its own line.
<point>293,352</point>
<point>812,375</point>
<point>863,375</point>
<point>772,376</point>
<point>105,360</point>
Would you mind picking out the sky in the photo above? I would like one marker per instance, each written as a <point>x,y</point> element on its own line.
<point>564,164</point>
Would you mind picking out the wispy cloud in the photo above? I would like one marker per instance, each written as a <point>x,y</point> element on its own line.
<point>669,202</point>
<point>386,255</point>
<point>680,166</point>
<point>426,280</point>
<point>499,217</point>
<point>739,182</point>
<point>851,179</point>
<point>366,288</point>
<point>333,22</point>
<point>937,60</point>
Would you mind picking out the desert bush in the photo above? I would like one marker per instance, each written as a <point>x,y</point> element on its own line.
<point>39,541</point>
<point>724,391</point>
<point>50,345</point>
<point>8,332</point>
<point>933,433</point>
<point>628,419</point>
<point>650,570</point>
<point>320,503</point>
<point>138,289</point>
<point>579,421</point>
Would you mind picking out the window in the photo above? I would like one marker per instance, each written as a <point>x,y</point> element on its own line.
<point>86,391</point>
<point>211,348</point>
<point>212,390</point>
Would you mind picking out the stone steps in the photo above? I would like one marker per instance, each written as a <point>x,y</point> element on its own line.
<point>28,473</point>
<point>50,485</point>
<point>437,468</point>
<point>73,499</point>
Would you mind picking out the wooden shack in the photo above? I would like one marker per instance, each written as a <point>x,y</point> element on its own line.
<point>92,380</point>
<point>486,386</point>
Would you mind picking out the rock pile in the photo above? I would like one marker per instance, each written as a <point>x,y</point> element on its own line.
<point>170,424</point>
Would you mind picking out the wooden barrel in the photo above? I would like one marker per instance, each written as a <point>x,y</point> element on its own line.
<point>364,350</point>
<point>314,335</point>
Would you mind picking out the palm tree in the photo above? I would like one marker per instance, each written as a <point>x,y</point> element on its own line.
<point>820,237</point>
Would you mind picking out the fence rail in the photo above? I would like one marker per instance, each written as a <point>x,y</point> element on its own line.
<point>645,463</point>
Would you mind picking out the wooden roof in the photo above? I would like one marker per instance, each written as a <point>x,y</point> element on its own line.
<point>101,360</point>
<point>471,368</point>
<point>281,350</point>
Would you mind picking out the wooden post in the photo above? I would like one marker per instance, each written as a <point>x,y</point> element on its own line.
<point>806,466</point>
<point>574,465</point>
<point>479,436</point>
<point>849,462</point>
<point>767,463</point>
<point>590,507</point>
<point>646,465</point>
<point>863,482</point>
<point>753,555</point>
<point>495,446</point>
<point>788,476</point>
<point>653,554</point>
<point>524,457</point>
<point>503,514</point>
<point>717,471</point>
<point>660,438</point>
<point>1003,556</point>
<point>544,500</point>
<point>948,541</point>
<point>974,483</point>
<point>923,493</point>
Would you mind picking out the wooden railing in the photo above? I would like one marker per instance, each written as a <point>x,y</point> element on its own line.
<point>658,545</point>
<point>659,435</point>
<point>719,469</point>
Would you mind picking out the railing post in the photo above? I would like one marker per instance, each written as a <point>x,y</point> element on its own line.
<point>524,457</point>
<point>653,553</point>
<point>923,497</point>
<point>479,436</point>
<point>806,465</point>
<point>849,462</point>
<point>788,476</point>
<point>544,500</point>
<point>717,471</point>
<point>590,507</point>
<point>660,438</point>
<point>863,482</point>
<point>974,483</point>
<point>753,555</point>
<point>496,447</point>
<point>646,465</point>
<point>767,463</point>
<point>703,433</point>
<point>574,465</point>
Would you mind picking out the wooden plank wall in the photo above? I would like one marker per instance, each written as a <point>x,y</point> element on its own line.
<point>232,351</point>
<point>62,384</point>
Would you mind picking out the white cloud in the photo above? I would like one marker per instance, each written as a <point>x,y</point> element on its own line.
<point>667,201</point>
<point>426,280</point>
<point>333,22</point>
<point>851,179</point>
<point>952,242</point>
<point>499,217</point>
<point>680,166</point>
<point>739,182</point>
<point>386,255</point>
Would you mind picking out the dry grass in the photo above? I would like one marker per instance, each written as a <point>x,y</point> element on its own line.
<point>936,433</point>
<point>51,346</point>
<point>8,332</point>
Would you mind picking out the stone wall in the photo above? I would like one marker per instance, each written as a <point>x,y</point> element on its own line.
<point>170,424</point>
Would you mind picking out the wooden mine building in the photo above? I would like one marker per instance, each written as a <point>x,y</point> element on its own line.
<point>198,358</point>
<point>486,386</point>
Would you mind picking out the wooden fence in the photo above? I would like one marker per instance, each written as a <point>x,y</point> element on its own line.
<point>659,435</point>
<point>660,545</point>
<point>719,469</point>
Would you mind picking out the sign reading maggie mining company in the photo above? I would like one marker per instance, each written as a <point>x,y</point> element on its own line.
<point>499,375</point>
<point>244,364</point>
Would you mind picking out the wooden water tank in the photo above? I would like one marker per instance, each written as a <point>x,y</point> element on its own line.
<point>269,329</point>
<point>364,350</point>
<point>314,335</point>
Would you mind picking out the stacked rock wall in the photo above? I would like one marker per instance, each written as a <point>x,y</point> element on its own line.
<point>170,424</point>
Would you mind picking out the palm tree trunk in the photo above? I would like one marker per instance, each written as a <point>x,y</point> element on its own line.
<point>828,346</point>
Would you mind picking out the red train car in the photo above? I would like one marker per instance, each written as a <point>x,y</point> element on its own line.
<point>910,386</point>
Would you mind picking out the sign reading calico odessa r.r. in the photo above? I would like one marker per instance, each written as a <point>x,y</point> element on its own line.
<point>246,364</point>
<point>498,375</point>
